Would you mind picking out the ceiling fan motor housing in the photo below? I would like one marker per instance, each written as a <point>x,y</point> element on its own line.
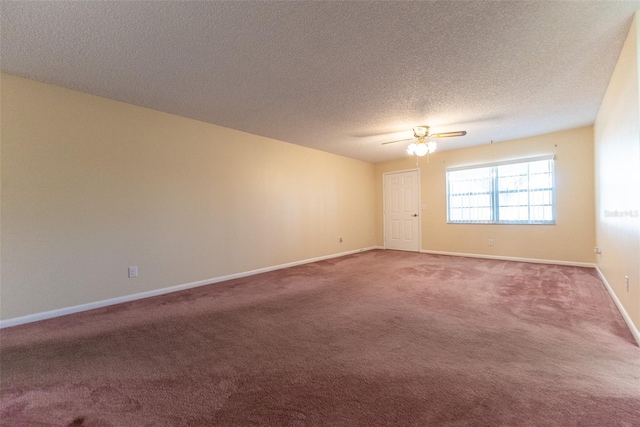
<point>421,131</point>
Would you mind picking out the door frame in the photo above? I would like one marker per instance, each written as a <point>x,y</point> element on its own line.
<point>384,207</point>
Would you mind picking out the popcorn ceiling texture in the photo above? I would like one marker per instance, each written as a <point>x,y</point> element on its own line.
<point>340,77</point>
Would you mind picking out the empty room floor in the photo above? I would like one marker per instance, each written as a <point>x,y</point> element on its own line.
<point>375,338</point>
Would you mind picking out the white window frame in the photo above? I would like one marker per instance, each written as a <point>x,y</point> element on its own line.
<point>495,210</point>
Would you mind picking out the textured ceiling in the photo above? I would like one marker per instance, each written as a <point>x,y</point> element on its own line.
<point>341,77</point>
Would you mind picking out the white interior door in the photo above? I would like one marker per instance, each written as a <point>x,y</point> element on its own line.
<point>401,213</point>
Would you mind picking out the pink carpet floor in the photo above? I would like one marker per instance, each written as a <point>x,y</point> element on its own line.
<point>376,338</point>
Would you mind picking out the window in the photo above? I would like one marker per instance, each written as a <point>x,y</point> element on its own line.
<point>512,192</point>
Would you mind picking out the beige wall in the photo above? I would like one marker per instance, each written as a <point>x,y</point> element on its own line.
<point>617,178</point>
<point>91,186</point>
<point>570,239</point>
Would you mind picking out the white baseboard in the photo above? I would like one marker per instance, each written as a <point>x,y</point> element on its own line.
<point>510,258</point>
<point>126,298</point>
<point>625,315</point>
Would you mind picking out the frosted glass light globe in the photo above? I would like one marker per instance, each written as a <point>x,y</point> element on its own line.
<point>432,145</point>
<point>421,150</point>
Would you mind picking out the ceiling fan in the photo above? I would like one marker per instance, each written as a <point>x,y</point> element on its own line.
<point>425,143</point>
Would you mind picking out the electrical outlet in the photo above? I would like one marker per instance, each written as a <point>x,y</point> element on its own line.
<point>133,272</point>
<point>341,240</point>
<point>626,282</point>
<point>490,242</point>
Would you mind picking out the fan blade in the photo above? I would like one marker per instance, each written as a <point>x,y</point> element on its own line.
<point>399,140</point>
<point>449,134</point>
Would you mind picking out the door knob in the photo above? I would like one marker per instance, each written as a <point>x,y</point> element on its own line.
<point>415,214</point>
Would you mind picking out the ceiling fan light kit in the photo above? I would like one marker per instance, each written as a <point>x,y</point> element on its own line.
<point>425,143</point>
<point>422,147</point>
